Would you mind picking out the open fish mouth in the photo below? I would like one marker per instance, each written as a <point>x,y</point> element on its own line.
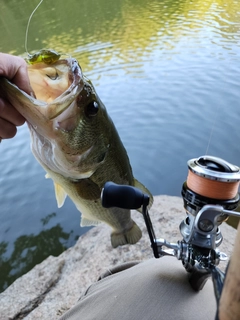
<point>55,86</point>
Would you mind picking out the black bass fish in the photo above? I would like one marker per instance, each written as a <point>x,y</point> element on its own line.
<point>76,142</point>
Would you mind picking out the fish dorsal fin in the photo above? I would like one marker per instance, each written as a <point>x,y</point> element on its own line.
<point>60,194</point>
<point>140,186</point>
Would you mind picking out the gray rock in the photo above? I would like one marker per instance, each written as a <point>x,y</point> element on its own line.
<point>54,286</point>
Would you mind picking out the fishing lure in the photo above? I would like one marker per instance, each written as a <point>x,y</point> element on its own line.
<point>47,56</point>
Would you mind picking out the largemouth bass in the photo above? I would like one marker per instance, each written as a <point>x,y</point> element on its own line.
<point>76,142</point>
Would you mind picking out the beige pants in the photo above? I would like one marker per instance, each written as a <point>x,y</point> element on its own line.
<point>154,289</point>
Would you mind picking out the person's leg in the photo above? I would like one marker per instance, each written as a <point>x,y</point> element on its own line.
<point>154,289</point>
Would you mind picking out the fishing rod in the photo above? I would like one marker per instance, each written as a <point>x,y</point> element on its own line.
<point>210,196</point>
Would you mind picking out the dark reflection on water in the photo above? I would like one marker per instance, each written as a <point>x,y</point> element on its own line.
<point>168,73</point>
<point>31,249</point>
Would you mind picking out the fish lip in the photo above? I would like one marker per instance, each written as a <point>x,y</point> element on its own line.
<point>76,70</point>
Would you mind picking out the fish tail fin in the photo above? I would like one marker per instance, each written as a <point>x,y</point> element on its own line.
<point>130,236</point>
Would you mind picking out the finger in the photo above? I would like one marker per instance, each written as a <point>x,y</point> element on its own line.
<point>15,69</point>
<point>7,129</point>
<point>10,114</point>
<point>21,79</point>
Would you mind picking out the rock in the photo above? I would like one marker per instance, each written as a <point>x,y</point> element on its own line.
<point>55,285</point>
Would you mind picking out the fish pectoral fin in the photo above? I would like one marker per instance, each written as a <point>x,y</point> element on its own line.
<point>87,222</point>
<point>60,194</point>
<point>140,186</point>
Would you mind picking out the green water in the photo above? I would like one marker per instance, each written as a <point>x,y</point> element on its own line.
<point>168,73</point>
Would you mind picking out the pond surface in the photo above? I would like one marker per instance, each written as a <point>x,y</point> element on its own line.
<point>168,73</point>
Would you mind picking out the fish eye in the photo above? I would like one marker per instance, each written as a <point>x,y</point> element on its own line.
<point>53,77</point>
<point>92,109</point>
<point>52,73</point>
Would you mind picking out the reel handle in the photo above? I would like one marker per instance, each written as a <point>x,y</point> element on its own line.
<point>123,196</point>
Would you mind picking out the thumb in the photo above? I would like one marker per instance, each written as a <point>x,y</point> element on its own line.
<point>15,69</point>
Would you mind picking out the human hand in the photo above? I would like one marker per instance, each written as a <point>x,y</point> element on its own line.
<point>14,69</point>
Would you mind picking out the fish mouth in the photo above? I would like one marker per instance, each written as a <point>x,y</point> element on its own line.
<point>55,86</point>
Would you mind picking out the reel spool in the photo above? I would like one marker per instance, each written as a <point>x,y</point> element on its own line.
<point>210,181</point>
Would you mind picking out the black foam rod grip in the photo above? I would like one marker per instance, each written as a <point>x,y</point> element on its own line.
<point>123,196</point>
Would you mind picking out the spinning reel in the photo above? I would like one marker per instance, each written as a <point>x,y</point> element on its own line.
<point>210,194</point>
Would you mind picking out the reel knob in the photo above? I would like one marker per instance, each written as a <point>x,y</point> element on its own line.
<point>123,196</point>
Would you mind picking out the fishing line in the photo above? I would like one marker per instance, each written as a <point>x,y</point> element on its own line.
<point>211,133</point>
<point>212,187</point>
<point>29,20</point>
<point>202,178</point>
